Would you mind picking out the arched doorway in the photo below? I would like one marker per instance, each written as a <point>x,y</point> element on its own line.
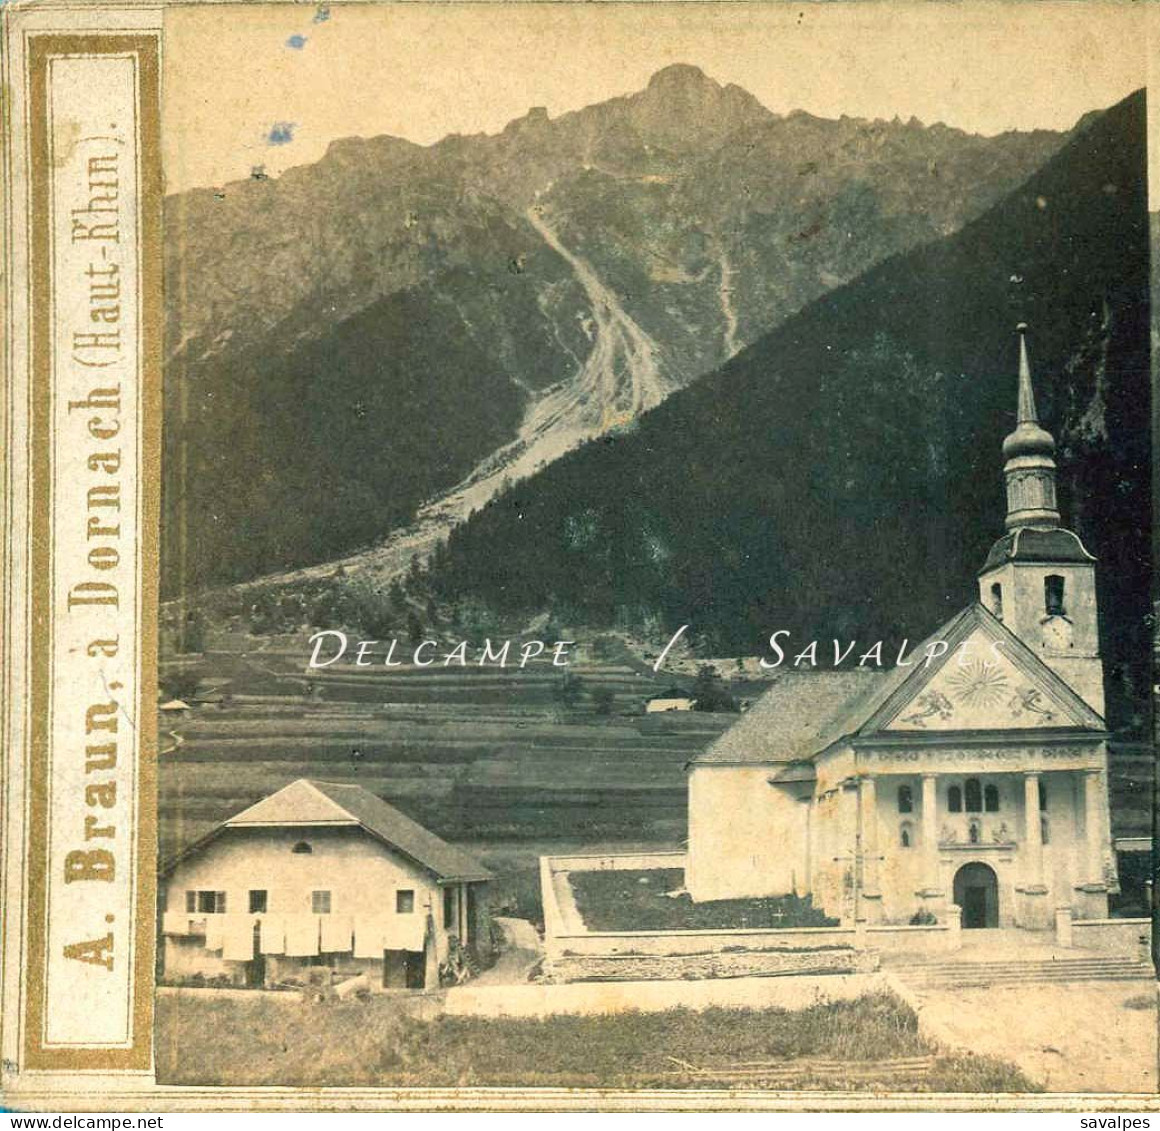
<point>977,893</point>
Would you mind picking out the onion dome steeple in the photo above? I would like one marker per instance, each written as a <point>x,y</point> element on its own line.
<point>1029,452</point>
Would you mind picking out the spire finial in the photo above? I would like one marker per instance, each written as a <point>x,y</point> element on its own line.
<point>1026,413</point>
<point>1028,451</point>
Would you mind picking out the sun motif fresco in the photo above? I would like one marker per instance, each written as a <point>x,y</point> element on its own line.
<point>978,683</point>
<point>978,689</point>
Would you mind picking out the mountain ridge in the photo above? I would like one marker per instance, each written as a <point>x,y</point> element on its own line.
<point>853,453</point>
<point>674,241</point>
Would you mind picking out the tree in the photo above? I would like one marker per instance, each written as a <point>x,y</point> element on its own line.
<point>603,700</point>
<point>569,688</point>
<point>710,692</point>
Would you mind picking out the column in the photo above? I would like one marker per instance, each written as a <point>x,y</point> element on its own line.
<point>871,887</point>
<point>807,818</point>
<point>1093,826</point>
<point>930,878</point>
<point>1032,833</point>
<point>870,835</point>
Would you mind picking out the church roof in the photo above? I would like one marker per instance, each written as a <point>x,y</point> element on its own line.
<point>306,803</point>
<point>794,719</point>
<point>804,713</point>
<point>1030,544</point>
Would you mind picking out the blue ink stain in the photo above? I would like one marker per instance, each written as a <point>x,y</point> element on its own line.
<point>322,15</point>
<point>281,133</point>
<point>297,42</point>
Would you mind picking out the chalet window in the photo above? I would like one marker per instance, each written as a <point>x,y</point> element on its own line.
<point>320,902</point>
<point>1042,798</point>
<point>991,799</point>
<point>954,799</point>
<point>404,901</point>
<point>257,902</point>
<point>210,902</point>
<point>190,902</point>
<point>997,600</point>
<point>905,799</point>
<point>974,794</point>
<point>448,907</point>
<point>1053,595</point>
<point>302,848</point>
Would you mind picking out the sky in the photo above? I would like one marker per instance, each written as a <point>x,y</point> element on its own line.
<point>272,85</point>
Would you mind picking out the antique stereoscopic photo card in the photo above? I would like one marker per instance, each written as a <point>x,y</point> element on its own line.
<point>577,556</point>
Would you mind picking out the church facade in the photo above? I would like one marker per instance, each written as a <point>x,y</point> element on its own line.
<point>975,778</point>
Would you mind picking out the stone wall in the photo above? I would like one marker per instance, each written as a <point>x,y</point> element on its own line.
<point>723,963</point>
<point>1116,936</point>
<point>935,938</point>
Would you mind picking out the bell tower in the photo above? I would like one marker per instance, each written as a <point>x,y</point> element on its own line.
<point>1038,579</point>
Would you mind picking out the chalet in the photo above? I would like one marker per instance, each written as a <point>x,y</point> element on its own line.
<point>320,874</point>
<point>978,782</point>
<point>671,699</point>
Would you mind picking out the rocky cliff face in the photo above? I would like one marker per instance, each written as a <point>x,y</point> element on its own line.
<point>569,273</point>
<point>841,477</point>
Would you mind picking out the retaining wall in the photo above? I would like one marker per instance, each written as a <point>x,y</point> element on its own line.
<point>1118,936</point>
<point>650,997</point>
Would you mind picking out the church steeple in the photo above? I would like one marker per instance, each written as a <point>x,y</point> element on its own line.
<point>1029,452</point>
<point>1038,578</point>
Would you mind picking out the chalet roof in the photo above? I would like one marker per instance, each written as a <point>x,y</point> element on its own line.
<point>306,803</point>
<point>807,711</point>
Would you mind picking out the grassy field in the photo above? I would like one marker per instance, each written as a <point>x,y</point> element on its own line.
<point>639,900</point>
<point>475,755</point>
<point>831,1046</point>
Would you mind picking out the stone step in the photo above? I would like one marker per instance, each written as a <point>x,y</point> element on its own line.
<point>1000,967</point>
<point>985,984</point>
<point>1033,975</point>
<point>976,975</point>
<point>1020,967</point>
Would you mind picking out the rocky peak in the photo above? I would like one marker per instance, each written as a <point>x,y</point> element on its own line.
<point>682,77</point>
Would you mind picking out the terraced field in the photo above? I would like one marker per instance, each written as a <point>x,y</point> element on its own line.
<point>505,761</point>
<point>508,761</point>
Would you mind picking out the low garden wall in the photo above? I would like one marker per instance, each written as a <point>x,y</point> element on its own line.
<point>934,938</point>
<point>618,862</point>
<point>658,943</point>
<point>1117,936</point>
<point>727,962</point>
<point>574,953</point>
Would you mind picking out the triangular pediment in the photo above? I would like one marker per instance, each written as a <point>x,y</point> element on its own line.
<point>299,803</point>
<point>987,679</point>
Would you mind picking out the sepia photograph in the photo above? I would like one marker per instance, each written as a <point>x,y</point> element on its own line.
<point>645,560</point>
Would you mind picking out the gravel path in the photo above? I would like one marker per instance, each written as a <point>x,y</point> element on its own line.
<point>522,950</point>
<point>1078,1037</point>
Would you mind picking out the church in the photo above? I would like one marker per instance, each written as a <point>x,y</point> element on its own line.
<point>977,780</point>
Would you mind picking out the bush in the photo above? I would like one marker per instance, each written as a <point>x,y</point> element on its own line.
<point>923,918</point>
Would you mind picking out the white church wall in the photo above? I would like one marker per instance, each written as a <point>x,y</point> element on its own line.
<point>900,869</point>
<point>746,837</point>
